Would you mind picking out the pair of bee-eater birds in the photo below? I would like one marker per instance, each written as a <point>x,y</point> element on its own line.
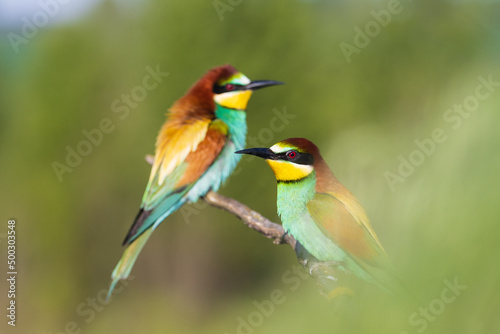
<point>199,146</point>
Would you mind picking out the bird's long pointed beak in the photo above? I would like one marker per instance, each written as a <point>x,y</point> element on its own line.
<point>259,152</point>
<point>258,84</point>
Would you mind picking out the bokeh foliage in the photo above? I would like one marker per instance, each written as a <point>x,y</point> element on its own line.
<point>441,223</point>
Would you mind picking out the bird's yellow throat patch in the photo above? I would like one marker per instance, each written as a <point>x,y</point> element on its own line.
<point>288,171</point>
<point>234,100</point>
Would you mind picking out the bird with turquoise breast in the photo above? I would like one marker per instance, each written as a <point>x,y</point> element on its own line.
<point>194,153</point>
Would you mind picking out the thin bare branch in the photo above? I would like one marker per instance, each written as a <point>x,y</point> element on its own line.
<point>251,218</point>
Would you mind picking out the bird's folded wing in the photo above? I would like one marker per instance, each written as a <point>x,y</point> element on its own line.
<point>347,228</point>
<point>190,157</point>
<point>179,160</point>
<point>174,143</point>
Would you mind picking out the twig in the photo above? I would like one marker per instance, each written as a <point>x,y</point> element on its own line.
<point>251,218</point>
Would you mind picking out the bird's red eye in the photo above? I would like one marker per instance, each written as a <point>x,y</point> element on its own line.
<point>229,87</point>
<point>291,154</point>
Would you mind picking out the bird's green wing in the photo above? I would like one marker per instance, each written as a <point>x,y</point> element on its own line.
<point>345,223</point>
<point>343,220</point>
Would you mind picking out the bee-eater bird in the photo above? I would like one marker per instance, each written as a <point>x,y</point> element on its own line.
<point>194,153</point>
<point>326,220</point>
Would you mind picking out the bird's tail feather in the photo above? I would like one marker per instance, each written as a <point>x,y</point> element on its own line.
<point>124,266</point>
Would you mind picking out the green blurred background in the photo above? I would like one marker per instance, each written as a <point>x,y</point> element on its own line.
<point>203,270</point>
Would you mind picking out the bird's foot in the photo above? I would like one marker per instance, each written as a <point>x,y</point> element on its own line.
<point>323,267</point>
<point>312,267</point>
<point>281,240</point>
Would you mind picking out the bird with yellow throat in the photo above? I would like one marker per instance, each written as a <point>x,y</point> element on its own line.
<point>194,153</point>
<point>332,230</point>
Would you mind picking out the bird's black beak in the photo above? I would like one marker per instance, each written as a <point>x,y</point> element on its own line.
<point>259,152</point>
<point>258,84</point>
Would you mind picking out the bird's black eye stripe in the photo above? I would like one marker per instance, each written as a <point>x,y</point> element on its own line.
<point>300,158</point>
<point>304,159</point>
<point>219,89</point>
